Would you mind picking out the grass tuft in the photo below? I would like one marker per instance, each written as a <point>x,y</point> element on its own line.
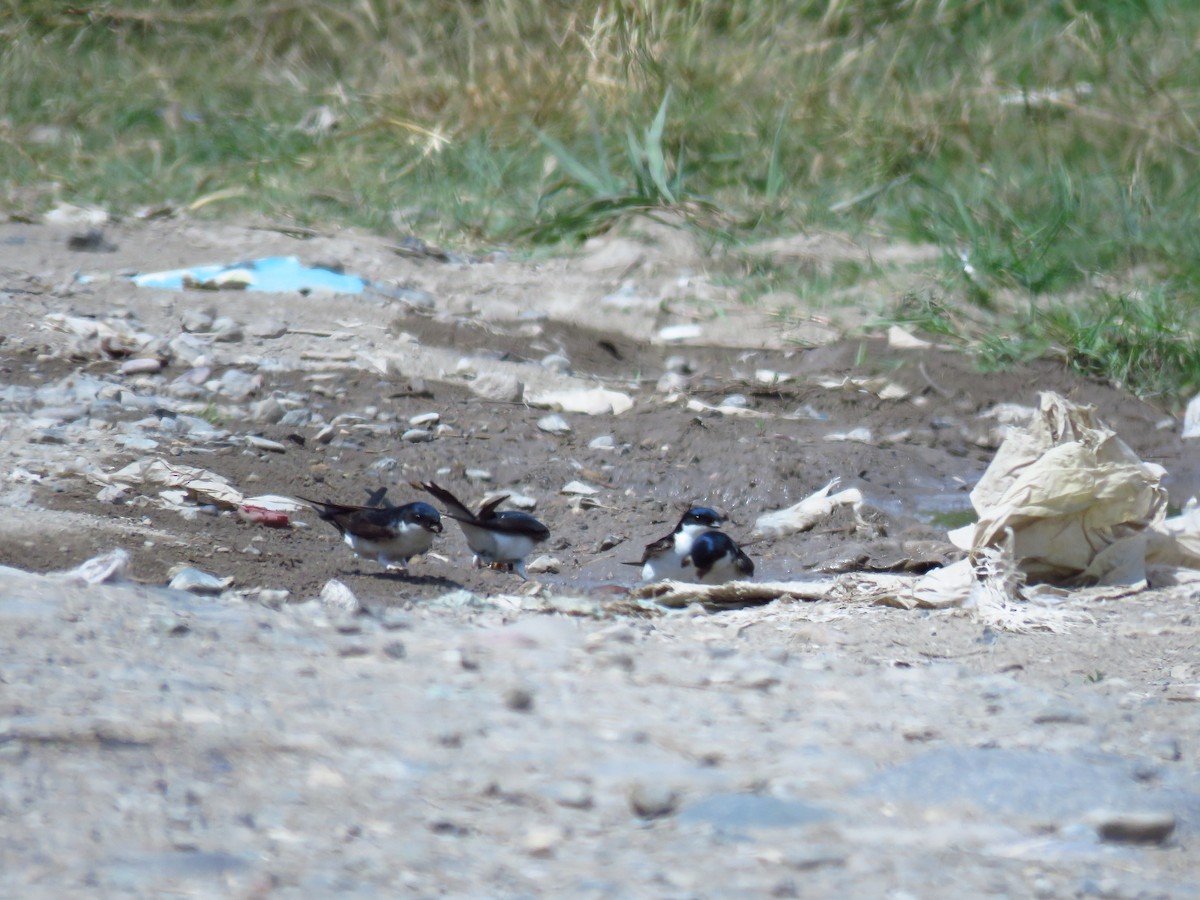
<point>1048,150</point>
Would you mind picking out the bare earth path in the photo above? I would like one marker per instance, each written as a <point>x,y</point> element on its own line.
<point>469,735</point>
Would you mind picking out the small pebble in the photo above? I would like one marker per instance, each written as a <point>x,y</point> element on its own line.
<point>417,436</point>
<point>573,794</point>
<point>519,699</point>
<point>262,443</point>
<point>604,442</point>
<point>423,419</point>
<point>578,487</point>
<point>671,383</point>
<point>553,424</point>
<point>267,328</point>
<point>141,366</point>
<point>652,800</point>
<point>197,320</point>
<point>556,362</point>
<point>335,595</point>
<point>544,565</point>
<point>395,650</point>
<point>540,840</point>
<point>1133,827</point>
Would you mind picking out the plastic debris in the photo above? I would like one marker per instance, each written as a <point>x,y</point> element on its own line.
<point>274,274</point>
<point>589,401</point>
<point>1076,499</point>
<point>196,581</point>
<point>805,514</point>
<point>110,566</point>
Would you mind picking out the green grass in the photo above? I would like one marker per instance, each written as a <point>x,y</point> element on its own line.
<point>1048,149</point>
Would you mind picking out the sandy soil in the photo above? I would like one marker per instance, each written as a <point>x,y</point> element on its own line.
<point>477,736</point>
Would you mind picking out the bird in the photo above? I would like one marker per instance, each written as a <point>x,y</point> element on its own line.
<point>496,538</point>
<point>663,559</point>
<point>391,535</point>
<point>715,558</point>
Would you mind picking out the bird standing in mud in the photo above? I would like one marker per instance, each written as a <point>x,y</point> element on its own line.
<point>663,559</point>
<point>715,558</point>
<point>391,535</point>
<point>496,538</point>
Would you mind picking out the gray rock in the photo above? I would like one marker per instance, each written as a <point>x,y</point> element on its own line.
<point>501,386</point>
<point>417,436</point>
<point>556,362</point>
<point>1127,826</point>
<point>267,328</point>
<point>335,595</point>
<point>671,383</point>
<point>141,366</point>
<point>553,424</point>
<point>519,699</point>
<point>544,565</point>
<point>197,320</point>
<point>653,799</point>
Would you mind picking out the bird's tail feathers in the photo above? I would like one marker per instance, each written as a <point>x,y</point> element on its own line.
<point>454,506</point>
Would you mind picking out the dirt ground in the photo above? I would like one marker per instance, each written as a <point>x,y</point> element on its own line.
<point>479,736</point>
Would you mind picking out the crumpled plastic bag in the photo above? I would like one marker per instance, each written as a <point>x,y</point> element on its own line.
<point>1078,502</point>
<point>199,485</point>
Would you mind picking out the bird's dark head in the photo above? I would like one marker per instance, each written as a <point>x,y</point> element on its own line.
<point>701,517</point>
<point>426,516</point>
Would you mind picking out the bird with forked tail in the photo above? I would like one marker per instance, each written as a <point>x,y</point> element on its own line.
<point>496,538</point>
<point>391,535</point>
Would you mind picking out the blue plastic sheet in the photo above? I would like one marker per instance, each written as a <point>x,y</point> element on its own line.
<point>276,274</point>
